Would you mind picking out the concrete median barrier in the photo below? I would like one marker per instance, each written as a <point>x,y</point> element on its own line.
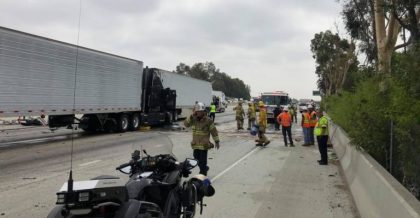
<point>376,192</point>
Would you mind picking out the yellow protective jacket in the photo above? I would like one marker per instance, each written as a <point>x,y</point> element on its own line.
<point>240,113</point>
<point>251,113</point>
<point>201,130</point>
<point>212,108</point>
<point>262,119</point>
<point>292,111</point>
<point>321,127</point>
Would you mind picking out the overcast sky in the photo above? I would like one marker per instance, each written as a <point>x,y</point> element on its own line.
<point>266,43</point>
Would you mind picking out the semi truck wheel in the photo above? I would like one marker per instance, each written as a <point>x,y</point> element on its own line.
<point>122,123</point>
<point>175,116</point>
<point>134,122</point>
<point>169,118</point>
<point>90,124</point>
<point>110,126</point>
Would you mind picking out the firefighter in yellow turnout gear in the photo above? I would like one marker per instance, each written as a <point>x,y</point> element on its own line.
<point>240,113</point>
<point>262,123</point>
<point>202,127</point>
<point>251,115</point>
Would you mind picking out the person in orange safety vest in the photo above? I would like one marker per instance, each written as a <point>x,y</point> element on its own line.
<point>312,123</point>
<point>306,126</point>
<point>285,120</point>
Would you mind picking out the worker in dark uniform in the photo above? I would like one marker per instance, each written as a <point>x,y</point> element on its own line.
<point>276,113</point>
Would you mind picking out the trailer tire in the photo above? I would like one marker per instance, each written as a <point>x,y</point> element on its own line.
<point>91,124</point>
<point>110,126</point>
<point>134,122</point>
<point>122,123</point>
<point>90,130</point>
<point>169,118</point>
<point>175,116</point>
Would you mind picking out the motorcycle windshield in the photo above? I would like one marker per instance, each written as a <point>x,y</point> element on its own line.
<point>152,143</point>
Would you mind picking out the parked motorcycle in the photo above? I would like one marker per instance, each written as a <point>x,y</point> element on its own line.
<point>155,188</point>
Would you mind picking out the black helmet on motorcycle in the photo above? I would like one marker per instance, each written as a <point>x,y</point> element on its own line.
<point>203,184</point>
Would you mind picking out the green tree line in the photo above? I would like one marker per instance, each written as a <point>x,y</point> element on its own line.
<point>377,101</point>
<point>232,87</point>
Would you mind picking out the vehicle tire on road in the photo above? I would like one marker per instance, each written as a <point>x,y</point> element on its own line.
<point>134,122</point>
<point>175,116</point>
<point>90,124</point>
<point>169,118</point>
<point>122,123</point>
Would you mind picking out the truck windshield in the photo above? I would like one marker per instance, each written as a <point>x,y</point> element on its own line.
<point>275,100</point>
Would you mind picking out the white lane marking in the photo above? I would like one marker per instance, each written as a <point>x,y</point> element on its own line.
<point>44,139</point>
<point>89,163</point>
<point>234,164</point>
<point>9,144</point>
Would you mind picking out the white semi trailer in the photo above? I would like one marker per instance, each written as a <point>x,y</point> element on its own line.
<point>111,93</point>
<point>189,90</point>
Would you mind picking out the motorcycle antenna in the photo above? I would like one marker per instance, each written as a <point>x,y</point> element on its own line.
<point>144,151</point>
<point>70,180</point>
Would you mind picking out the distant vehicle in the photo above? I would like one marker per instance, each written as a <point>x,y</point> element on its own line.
<point>219,99</point>
<point>31,122</point>
<point>109,92</point>
<point>302,107</point>
<point>304,103</point>
<point>273,100</point>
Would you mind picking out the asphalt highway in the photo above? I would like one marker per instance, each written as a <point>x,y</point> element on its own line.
<point>275,181</point>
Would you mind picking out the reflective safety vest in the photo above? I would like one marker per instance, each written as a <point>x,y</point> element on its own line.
<point>312,120</point>
<point>212,108</point>
<point>321,127</point>
<point>284,119</point>
<point>306,120</point>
